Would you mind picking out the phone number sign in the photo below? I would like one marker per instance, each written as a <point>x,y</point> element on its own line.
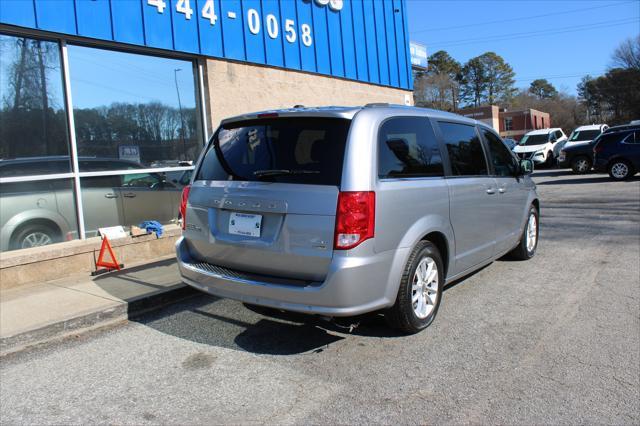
<point>362,40</point>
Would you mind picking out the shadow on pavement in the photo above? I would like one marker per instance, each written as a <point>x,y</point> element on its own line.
<point>225,323</point>
<point>594,179</point>
<point>551,173</point>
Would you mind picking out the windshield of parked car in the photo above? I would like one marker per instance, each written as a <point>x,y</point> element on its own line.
<point>584,135</point>
<point>535,139</point>
<point>304,150</point>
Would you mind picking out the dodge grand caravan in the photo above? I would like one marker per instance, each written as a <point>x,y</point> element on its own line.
<point>342,211</point>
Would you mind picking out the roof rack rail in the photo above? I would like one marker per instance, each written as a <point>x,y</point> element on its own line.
<point>377,104</point>
<point>298,106</point>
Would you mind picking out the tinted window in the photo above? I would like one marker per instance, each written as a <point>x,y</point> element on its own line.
<point>633,137</point>
<point>407,148</point>
<point>558,134</point>
<point>33,122</point>
<point>35,166</point>
<point>288,150</point>
<point>503,162</point>
<point>145,180</point>
<point>464,148</point>
<point>608,138</point>
<point>584,135</point>
<point>535,139</point>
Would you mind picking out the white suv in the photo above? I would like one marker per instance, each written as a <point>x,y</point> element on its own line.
<point>542,146</point>
<point>585,134</point>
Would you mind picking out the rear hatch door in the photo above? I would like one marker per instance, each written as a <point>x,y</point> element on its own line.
<point>264,198</point>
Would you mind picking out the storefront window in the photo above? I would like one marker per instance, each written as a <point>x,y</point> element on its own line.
<point>131,112</point>
<point>36,213</point>
<point>133,107</point>
<point>33,130</point>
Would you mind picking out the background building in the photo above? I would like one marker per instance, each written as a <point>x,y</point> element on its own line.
<point>515,124</point>
<point>105,104</point>
<point>510,124</point>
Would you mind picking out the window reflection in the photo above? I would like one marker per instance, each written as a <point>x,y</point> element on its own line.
<point>37,213</point>
<point>129,200</point>
<point>134,107</point>
<point>32,113</point>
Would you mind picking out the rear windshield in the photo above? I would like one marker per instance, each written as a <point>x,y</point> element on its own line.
<point>287,150</point>
<point>584,135</point>
<point>535,139</point>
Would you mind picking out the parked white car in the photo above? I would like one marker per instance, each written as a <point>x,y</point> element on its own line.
<point>585,134</point>
<point>542,146</point>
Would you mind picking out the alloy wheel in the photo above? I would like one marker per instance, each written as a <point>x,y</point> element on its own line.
<point>582,165</point>
<point>36,239</point>
<point>424,287</point>
<point>619,170</point>
<point>532,232</point>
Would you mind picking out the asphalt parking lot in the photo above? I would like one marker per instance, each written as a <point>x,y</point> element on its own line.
<point>552,340</point>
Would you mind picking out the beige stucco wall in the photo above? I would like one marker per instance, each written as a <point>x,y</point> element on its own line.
<point>233,88</point>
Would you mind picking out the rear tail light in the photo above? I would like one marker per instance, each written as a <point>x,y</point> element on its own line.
<point>183,205</point>
<point>355,219</point>
<point>597,148</point>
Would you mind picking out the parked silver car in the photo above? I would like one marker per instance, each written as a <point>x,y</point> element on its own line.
<point>37,213</point>
<point>341,211</point>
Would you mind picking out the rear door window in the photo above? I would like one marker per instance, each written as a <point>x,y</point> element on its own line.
<point>633,138</point>
<point>609,138</point>
<point>407,147</point>
<point>288,150</point>
<point>464,149</point>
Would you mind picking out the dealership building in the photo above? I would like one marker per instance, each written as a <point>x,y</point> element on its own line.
<point>106,104</point>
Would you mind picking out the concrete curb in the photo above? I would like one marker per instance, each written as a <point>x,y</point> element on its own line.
<point>93,320</point>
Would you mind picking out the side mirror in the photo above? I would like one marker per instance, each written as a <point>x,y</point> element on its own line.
<point>526,167</point>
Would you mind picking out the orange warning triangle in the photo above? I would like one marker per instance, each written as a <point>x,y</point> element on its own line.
<point>101,262</point>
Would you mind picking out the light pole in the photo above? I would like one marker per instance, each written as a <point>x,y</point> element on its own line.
<point>184,144</point>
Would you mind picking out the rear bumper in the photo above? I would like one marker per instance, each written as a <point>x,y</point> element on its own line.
<point>353,286</point>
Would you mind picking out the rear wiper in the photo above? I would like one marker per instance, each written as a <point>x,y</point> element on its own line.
<point>279,172</point>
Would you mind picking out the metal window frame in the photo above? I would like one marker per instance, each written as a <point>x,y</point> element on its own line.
<point>203,102</point>
<point>72,138</point>
<point>76,175</point>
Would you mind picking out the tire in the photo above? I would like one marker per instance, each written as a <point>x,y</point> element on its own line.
<point>408,314</point>
<point>34,235</point>
<point>525,251</point>
<point>581,165</point>
<point>620,169</point>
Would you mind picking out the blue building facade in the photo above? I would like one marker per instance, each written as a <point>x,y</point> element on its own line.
<point>361,40</point>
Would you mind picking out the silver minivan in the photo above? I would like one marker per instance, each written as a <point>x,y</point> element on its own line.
<point>340,211</point>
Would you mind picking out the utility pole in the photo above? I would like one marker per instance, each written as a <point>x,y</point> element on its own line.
<point>184,144</point>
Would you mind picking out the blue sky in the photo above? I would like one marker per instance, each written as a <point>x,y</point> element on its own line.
<point>572,39</point>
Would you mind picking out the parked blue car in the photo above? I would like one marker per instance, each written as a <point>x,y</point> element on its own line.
<point>617,152</point>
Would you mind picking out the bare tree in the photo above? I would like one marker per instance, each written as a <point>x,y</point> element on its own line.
<point>627,55</point>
